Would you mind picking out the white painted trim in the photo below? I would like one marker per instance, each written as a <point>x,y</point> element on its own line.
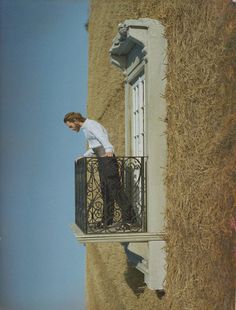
<point>136,71</point>
<point>146,37</point>
<point>117,237</point>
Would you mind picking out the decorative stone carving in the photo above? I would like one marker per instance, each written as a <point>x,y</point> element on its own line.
<point>122,29</point>
<point>132,34</point>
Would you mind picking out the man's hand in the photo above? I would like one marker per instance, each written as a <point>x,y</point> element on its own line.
<point>78,158</point>
<point>109,154</point>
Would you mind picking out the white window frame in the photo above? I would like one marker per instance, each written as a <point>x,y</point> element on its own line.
<point>138,118</point>
<point>146,37</point>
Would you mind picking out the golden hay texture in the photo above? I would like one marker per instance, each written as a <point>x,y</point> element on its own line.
<point>200,173</point>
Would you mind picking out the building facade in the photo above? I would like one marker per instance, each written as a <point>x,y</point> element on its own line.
<point>198,126</point>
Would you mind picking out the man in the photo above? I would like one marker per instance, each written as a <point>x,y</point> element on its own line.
<point>100,146</point>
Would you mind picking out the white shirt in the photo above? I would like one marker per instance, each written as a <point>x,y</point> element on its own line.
<point>96,135</point>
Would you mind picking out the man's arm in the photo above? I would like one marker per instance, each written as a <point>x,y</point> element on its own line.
<point>89,153</point>
<point>102,137</point>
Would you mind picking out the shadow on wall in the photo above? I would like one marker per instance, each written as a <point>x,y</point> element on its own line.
<point>133,277</point>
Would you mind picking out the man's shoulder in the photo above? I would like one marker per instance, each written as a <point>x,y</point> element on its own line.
<point>92,122</point>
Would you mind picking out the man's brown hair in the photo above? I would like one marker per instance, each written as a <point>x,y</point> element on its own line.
<point>73,117</point>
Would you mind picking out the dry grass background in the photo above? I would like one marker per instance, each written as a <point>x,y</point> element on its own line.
<point>200,172</point>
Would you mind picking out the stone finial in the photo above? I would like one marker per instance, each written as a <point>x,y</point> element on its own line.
<point>122,30</point>
<point>121,35</point>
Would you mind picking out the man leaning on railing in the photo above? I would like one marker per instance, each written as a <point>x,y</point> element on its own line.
<point>100,146</point>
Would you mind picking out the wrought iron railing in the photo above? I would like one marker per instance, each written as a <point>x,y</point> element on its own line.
<point>110,194</point>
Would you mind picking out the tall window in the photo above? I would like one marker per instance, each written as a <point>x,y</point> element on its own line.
<point>138,117</point>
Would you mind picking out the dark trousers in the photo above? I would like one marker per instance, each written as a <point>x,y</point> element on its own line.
<point>112,191</point>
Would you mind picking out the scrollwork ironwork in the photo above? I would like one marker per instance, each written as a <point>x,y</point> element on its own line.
<point>110,194</point>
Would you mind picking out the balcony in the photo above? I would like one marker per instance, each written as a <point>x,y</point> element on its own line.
<point>110,199</point>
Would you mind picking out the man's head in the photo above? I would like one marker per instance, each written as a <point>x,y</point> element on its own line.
<point>74,121</point>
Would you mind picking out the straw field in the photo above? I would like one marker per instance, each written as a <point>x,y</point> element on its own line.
<point>200,176</point>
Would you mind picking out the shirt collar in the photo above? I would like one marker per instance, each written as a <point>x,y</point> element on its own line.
<point>84,124</point>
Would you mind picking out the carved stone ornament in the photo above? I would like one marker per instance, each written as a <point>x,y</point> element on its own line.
<point>122,29</point>
<point>131,33</point>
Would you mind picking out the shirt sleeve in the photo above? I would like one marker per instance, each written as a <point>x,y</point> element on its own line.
<point>89,153</point>
<point>102,137</point>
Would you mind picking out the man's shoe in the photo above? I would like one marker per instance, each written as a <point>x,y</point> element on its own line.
<point>99,225</point>
<point>126,226</point>
<point>102,225</point>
